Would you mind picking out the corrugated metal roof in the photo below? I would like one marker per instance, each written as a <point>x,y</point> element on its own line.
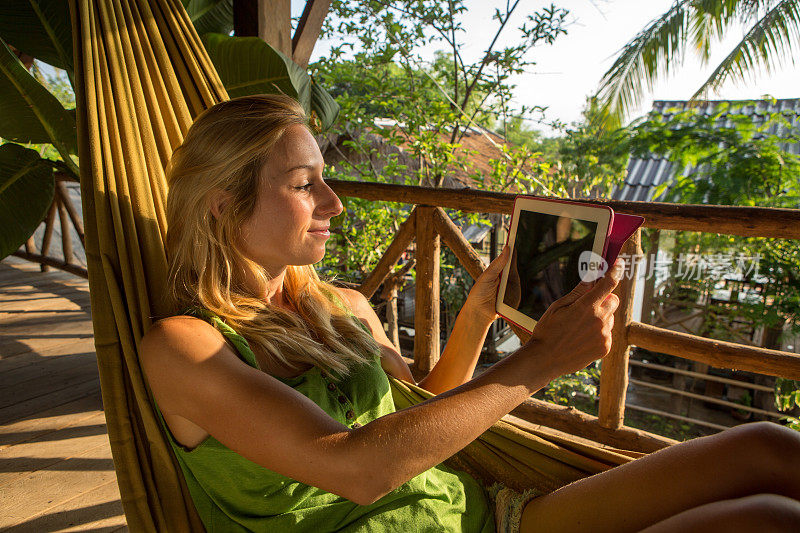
<point>647,173</point>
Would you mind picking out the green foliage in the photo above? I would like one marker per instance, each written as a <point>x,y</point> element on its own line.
<point>564,389</point>
<point>391,98</point>
<point>39,28</point>
<point>26,192</point>
<point>726,158</point>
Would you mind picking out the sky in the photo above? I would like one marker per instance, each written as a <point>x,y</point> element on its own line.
<point>569,70</point>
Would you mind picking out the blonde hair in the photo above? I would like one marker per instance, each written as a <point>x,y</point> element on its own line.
<point>224,150</point>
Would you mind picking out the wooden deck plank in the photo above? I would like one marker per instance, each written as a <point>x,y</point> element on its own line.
<point>56,469</point>
<point>98,510</point>
<point>67,347</point>
<point>45,401</point>
<point>51,420</point>
<point>60,373</point>
<point>46,489</point>
<point>50,449</point>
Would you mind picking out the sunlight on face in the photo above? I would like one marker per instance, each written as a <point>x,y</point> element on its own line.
<point>289,225</point>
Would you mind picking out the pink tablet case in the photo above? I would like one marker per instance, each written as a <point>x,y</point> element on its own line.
<point>622,227</point>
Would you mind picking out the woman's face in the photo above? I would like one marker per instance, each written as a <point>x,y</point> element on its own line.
<point>289,225</point>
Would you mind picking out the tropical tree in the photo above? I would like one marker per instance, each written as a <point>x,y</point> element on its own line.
<point>772,34</point>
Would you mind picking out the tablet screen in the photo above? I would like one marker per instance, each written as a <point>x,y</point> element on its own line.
<point>545,260</point>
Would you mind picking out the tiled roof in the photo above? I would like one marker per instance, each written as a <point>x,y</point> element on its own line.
<point>645,174</point>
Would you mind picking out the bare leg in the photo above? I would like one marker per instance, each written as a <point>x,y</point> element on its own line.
<point>765,513</point>
<point>755,458</point>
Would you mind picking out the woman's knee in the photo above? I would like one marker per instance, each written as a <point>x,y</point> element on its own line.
<point>767,442</point>
<point>768,512</point>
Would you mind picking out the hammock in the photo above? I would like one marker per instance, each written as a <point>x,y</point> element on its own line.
<point>141,75</point>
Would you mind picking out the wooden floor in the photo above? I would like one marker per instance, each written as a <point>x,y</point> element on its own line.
<point>56,471</point>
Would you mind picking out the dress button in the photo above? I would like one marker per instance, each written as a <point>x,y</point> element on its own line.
<point>331,387</point>
<point>356,425</point>
<point>342,399</point>
<point>350,414</point>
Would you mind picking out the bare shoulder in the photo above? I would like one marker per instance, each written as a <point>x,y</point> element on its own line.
<point>355,300</point>
<point>183,337</point>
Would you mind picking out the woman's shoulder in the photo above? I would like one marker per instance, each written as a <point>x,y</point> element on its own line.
<point>356,302</point>
<point>180,336</point>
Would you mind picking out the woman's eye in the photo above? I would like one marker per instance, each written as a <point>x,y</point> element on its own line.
<point>304,187</point>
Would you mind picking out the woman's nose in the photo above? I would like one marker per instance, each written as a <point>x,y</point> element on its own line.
<point>330,205</point>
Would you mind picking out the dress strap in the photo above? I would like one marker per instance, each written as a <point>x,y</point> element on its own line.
<point>239,342</point>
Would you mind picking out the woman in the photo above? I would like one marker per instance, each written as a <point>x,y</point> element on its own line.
<point>273,387</point>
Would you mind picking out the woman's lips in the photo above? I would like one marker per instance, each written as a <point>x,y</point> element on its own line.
<point>321,232</point>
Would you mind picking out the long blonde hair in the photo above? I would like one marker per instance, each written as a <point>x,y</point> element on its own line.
<point>224,150</point>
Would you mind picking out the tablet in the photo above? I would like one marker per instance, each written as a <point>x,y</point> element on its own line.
<point>555,245</point>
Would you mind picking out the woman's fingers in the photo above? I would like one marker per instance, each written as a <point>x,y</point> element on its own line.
<point>603,287</point>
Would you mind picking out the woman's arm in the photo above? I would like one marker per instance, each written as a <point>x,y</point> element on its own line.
<point>194,374</point>
<point>460,355</point>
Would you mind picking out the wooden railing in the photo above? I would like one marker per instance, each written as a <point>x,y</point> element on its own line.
<point>67,216</point>
<point>429,224</point>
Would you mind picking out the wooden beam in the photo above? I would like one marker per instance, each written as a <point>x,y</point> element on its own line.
<point>43,260</point>
<point>576,422</point>
<point>731,220</point>
<point>426,305</point>
<point>308,28</point>
<point>275,24</point>
<point>614,368</point>
<point>456,241</point>
<point>716,353</point>
<point>403,237</point>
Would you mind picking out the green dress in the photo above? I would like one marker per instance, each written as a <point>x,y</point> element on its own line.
<point>232,493</point>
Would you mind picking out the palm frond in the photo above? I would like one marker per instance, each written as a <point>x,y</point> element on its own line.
<point>708,19</point>
<point>651,54</point>
<point>766,45</point>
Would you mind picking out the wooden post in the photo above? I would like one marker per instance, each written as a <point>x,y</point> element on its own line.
<point>275,24</point>
<point>61,189</point>
<point>650,279</point>
<point>614,369</point>
<point>426,304</point>
<point>48,232</point>
<point>66,237</point>
<point>308,28</point>
<point>391,286</point>
<point>391,316</point>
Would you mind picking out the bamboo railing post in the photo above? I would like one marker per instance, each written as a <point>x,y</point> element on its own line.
<point>391,286</point>
<point>66,236</point>
<point>614,368</point>
<point>48,232</point>
<point>391,315</point>
<point>61,189</point>
<point>426,305</point>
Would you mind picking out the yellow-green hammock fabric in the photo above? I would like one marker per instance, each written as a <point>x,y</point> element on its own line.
<point>141,75</point>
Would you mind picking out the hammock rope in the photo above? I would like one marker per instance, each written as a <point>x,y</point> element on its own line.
<point>141,76</point>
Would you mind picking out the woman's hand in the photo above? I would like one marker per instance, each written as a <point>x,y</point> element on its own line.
<point>482,299</point>
<point>576,329</point>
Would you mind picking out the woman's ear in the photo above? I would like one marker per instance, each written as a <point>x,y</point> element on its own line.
<point>217,200</point>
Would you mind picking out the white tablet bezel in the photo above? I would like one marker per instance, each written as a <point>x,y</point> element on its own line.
<point>602,215</point>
